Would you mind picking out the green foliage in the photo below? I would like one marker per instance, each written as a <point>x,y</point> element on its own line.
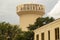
<point>13,32</point>
<point>40,22</point>
<point>32,27</point>
<point>29,35</point>
<point>25,36</point>
<point>8,31</point>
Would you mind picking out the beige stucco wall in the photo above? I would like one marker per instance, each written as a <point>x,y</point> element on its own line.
<point>27,19</point>
<point>49,27</point>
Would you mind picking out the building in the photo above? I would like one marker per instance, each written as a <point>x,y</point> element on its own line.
<point>28,14</point>
<point>50,31</point>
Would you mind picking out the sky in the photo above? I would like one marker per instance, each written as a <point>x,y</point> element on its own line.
<point>8,9</point>
<point>55,12</point>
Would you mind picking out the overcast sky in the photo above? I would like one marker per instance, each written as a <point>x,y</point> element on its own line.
<point>8,8</point>
<point>55,12</point>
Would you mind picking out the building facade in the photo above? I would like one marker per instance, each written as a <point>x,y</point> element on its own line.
<point>28,13</point>
<point>50,31</point>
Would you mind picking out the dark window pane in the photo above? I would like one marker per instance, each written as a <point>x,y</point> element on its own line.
<point>42,36</point>
<point>56,33</point>
<point>37,37</point>
<point>48,35</point>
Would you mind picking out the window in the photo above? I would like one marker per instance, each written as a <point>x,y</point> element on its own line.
<point>56,33</point>
<point>48,35</point>
<point>33,8</point>
<point>27,8</point>
<point>37,37</point>
<point>39,8</point>
<point>42,36</point>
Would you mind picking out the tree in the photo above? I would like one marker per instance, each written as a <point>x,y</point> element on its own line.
<point>40,22</point>
<point>29,35</point>
<point>8,31</point>
<point>13,32</point>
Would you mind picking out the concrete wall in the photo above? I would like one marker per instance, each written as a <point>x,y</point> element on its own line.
<point>28,13</point>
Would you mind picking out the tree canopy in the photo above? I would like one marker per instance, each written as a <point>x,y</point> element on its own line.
<point>29,35</point>
<point>13,32</point>
<point>40,22</point>
<point>8,31</point>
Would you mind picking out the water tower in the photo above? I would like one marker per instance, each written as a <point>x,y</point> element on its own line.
<point>28,13</point>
